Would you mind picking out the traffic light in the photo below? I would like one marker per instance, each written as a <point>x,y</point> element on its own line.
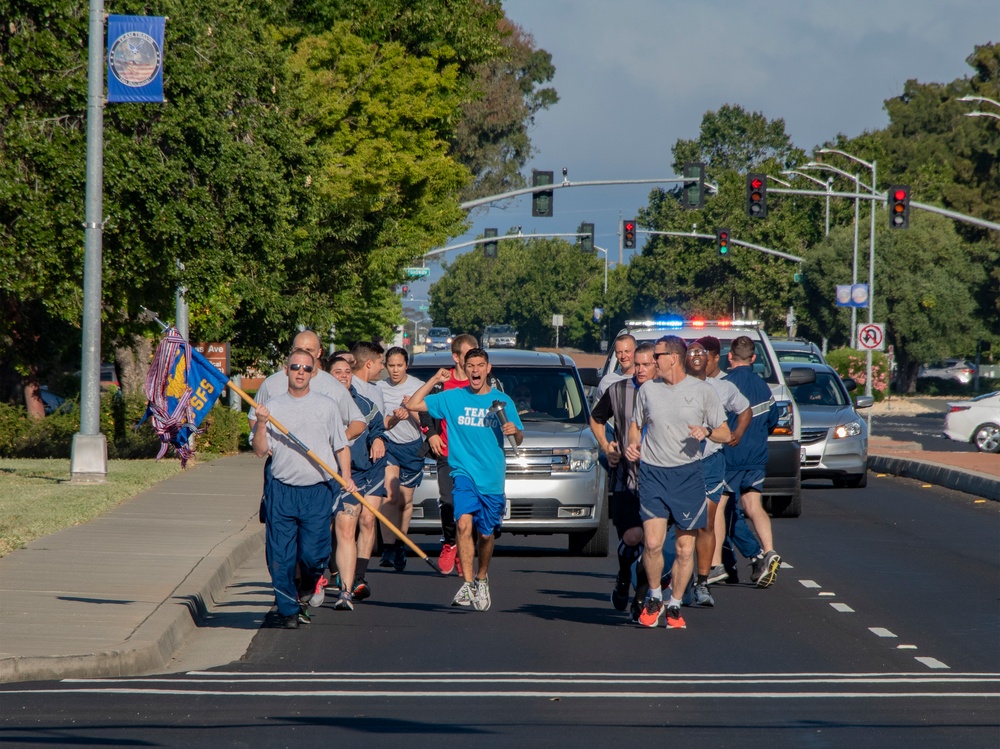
<point>722,241</point>
<point>406,289</point>
<point>693,192</point>
<point>899,207</point>
<point>628,233</point>
<point>587,240</point>
<point>757,195</point>
<point>541,202</point>
<point>490,248</point>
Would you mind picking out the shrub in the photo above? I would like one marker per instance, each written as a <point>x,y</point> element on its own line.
<point>224,431</point>
<point>852,363</point>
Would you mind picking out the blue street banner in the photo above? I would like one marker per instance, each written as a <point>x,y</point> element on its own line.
<point>135,58</point>
<point>181,388</point>
<point>853,295</point>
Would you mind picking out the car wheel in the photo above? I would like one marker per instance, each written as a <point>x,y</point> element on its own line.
<point>986,438</point>
<point>784,507</point>
<point>591,543</point>
<point>854,482</point>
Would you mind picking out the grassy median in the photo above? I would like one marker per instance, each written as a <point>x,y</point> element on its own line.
<point>37,498</point>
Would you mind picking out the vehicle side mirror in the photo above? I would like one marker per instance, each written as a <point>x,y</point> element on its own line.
<point>864,401</point>
<point>800,376</point>
<point>849,383</point>
<point>590,376</point>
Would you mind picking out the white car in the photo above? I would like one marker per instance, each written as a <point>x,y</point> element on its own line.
<point>977,421</point>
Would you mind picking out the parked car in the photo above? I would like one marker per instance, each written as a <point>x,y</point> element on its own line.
<point>834,435</point>
<point>554,483</point>
<point>958,370</point>
<point>782,485</point>
<point>797,350</point>
<point>976,420</point>
<point>438,339</point>
<point>109,376</point>
<point>499,336</point>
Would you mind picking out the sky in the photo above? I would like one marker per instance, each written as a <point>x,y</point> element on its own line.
<point>634,76</point>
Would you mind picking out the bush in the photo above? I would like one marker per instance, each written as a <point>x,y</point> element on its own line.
<point>224,431</point>
<point>852,363</point>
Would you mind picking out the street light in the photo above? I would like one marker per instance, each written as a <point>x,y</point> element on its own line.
<point>980,98</point>
<point>601,249</point>
<point>828,186</point>
<point>977,113</point>
<point>871,260</point>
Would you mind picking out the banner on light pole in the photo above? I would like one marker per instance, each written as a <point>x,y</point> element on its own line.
<point>135,59</point>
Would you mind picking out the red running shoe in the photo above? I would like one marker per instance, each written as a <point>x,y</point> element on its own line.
<point>447,559</point>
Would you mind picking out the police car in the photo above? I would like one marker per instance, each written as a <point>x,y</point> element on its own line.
<point>782,487</point>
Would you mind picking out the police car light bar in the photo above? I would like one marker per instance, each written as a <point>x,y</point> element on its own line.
<point>694,323</point>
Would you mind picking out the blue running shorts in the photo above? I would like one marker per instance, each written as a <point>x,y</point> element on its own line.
<point>676,493</point>
<point>714,468</point>
<point>744,480</point>
<point>486,509</point>
<point>407,456</point>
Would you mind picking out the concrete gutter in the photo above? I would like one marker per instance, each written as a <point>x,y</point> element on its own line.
<point>959,479</point>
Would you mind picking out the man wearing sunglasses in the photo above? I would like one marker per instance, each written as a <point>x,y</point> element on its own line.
<point>673,414</point>
<point>299,494</point>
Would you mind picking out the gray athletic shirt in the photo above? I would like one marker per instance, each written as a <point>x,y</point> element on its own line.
<point>408,430</point>
<point>314,419</point>
<point>323,383</point>
<point>664,413</point>
<point>733,402</point>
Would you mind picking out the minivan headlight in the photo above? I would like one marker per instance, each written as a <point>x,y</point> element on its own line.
<point>850,429</point>
<point>786,419</point>
<point>577,460</point>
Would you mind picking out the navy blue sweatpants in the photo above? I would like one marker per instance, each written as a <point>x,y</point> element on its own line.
<point>298,530</point>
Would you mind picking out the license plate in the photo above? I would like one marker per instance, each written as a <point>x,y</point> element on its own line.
<point>802,455</point>
<point>506,510</point>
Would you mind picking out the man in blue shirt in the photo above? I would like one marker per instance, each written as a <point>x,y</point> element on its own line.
<point>478,465</point>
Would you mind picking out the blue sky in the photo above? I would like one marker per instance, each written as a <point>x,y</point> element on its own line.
<point>634,76</point>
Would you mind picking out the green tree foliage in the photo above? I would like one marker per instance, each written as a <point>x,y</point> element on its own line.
<point>524,286</point>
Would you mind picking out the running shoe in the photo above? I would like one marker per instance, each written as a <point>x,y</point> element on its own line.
<point>304,617</point>
<point>362,590</point>
<point>768,569</point>
<point>652,612</point>
<point>674,618</point>
<point>701,596</point>
<point>464,596</point>
<point>345,602</point>
<point>481,596</point>
<point>399,558</point>
<point>337,583</point>
<point>387,557</point>
<point>717,574</point>
<point>688,598</point>
<point>634,609</point>
<point>290,622</point>
<point>619,595</point>
<point>446,559</point>
<point>319,595</point>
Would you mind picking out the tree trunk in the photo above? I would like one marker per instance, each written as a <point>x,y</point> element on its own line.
<point>32,395</point>
<point>133,364</point>
<point>906,375</point>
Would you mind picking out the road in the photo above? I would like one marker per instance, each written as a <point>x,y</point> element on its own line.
<point>926,429</point>
<point>880,631</point>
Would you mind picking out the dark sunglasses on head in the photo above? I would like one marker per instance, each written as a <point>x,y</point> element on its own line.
<point>297,367</point>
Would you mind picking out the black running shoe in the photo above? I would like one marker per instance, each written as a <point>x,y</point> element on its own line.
<point>362,590</point>
<point>290,622</point>
<point>387,557</point>
<point>619,595</point>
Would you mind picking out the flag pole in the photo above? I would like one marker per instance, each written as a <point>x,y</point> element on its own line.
<point>322,464</point>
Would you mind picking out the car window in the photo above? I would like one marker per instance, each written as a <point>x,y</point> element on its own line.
<point>826,391</point>
<point>439,332</point>
<point>799,356</point>
<point>540,393</point>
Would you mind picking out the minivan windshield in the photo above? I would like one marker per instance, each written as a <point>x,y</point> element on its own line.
<point>439,332</point>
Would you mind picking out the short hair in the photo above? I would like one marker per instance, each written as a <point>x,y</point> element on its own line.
<point>742,348</point>
<point>338,360</point>
<point>364,352</point>
<point>300,352</point>
<point>400,351</point>
<point>462,338</point>
<point>674,344</point>
<point>645,348</point>
<point>624,337</point>
<point>480,352</point>
<point>711,344</point>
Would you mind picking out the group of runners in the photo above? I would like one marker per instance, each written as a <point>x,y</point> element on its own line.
<point>685,445</point>
<point>375,433</point>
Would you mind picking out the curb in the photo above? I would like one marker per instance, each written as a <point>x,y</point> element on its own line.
<point>154,643</point>
<point>940,475</point>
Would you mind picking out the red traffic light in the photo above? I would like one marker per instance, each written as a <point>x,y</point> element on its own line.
<point>629,226</point>
<point>899,194</point>
<point>406,289</point>
<point>756,183</point>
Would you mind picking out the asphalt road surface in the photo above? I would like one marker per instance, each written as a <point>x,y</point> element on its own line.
<point>881,630</point>
<point>927,430</point>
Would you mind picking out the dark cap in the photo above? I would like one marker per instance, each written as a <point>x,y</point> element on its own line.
<point>711,344</point>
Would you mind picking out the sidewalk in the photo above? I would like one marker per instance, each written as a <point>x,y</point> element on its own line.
<point>118,595</point>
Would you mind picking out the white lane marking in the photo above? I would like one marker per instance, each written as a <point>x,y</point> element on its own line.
<point>827,593</point>
<point>881,631</point>
<point>906,647</point>
<point>843,608</point>
<point>448,694</point>
<point>575,674</point>
<point>810,584</point>
<point>930,662</point>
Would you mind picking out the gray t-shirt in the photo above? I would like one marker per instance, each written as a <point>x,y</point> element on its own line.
<point>607,381</point>
<point>664,414</point>
<point>316,421</point>
<point>408,430</point>
<point>733,402</point>
<point>323,383</point>
<point>371,391</point>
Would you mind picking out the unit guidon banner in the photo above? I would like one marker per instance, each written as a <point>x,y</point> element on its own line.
<point>135,58</point>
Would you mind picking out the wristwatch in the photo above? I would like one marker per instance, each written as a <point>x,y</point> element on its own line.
<point>710,430</point>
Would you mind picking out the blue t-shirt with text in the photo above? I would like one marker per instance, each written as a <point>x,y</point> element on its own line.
<point>474,437</point>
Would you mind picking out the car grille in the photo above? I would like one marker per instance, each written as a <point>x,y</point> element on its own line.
<point>525,462</point>
<point>525,509</point>
<point>812,436</point>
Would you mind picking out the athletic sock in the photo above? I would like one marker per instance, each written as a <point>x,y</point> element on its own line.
<point>361,568</point>
<point>702,580</point>
<point>655,593</point>
<point>674,602</point>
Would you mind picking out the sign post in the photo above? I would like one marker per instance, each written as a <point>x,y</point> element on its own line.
<point>557,321</point>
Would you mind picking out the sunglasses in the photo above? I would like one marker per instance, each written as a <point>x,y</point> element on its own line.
<point>305,367</point>
<point>665,353</point>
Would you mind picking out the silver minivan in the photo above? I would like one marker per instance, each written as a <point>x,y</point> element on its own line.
<point>554,482</point>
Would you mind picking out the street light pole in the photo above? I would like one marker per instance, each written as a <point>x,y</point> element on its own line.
<point>601,249</point>
<point>828,186</point>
